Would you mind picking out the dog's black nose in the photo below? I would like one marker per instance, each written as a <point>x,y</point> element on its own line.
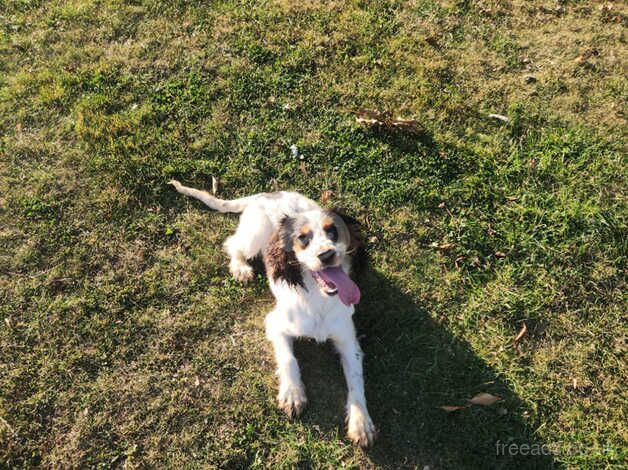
<point>326,256</point>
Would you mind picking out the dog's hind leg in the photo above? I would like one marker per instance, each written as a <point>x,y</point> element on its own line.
<point>251,236</point>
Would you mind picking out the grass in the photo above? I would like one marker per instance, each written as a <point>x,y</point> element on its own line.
<point>125,344</point>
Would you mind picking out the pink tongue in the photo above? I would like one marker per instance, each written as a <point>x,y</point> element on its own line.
<point>348,291</point>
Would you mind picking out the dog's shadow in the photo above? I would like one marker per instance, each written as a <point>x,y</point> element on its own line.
<point>413,366</point>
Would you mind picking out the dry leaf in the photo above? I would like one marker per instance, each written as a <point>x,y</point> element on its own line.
<point>326,196</point>
<point>385,120</point>
<point>197,381</point>
<point>407,124</point>
<point>302,167</point>
<point>449,408</point>
<point>500,254</point>
<point>372,118</point>
<point>520,335</point>
<point>215,185</point>
<point>484,399</point>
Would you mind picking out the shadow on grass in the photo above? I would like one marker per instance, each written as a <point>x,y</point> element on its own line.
<point>412,367</point>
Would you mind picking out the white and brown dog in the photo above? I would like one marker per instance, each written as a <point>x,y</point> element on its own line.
<point>308,253</point>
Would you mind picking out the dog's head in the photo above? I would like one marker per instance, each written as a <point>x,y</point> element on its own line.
<point>320,242</point>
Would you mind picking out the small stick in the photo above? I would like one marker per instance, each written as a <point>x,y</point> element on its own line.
<point>499,116</point>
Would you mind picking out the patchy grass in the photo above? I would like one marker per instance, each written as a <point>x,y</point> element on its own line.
<point>125,343</point>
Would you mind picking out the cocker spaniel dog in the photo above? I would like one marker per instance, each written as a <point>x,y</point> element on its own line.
<point>308,252</point>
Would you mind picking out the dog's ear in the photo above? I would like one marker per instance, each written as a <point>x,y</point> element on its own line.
<point>356,248</point>
<point>279,257</point>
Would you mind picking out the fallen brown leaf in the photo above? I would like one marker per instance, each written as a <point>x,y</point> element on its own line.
<point>449,408</point>
<point>500,254</point>
<point>384,119</point>
<point>302,167</point>
<point>484,399</point>
<point>370,117</point>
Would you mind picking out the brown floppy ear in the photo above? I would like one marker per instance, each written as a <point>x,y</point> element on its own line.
<point>357,248</point>
<point>279,257</point>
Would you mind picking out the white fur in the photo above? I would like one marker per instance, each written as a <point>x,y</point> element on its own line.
<point>298,312</point>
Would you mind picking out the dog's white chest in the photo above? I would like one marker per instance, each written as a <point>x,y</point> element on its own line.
<point>309,314</point>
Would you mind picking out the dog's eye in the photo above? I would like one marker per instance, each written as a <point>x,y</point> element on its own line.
<point>332,233</point>
<point>304,239</point>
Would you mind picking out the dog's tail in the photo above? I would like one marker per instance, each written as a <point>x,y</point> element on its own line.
<point>220,205</point>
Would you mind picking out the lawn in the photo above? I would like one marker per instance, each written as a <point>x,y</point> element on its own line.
<point>124,342</point>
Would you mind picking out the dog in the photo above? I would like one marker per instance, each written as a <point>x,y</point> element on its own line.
<point>308,253</point>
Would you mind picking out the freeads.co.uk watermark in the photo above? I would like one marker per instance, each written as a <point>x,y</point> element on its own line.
<point>556,449</point>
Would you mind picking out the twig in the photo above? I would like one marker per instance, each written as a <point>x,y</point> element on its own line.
<point>499,116</point>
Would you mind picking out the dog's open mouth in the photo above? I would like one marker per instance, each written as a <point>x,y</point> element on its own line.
<point>326,286</point>
<point>334,281</point>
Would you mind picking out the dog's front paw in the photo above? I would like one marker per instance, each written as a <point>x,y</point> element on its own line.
<point>241,272</point>
<point>361,429</point>
<point>292,399</point>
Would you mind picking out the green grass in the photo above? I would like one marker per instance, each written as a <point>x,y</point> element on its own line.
<point>125,343</point>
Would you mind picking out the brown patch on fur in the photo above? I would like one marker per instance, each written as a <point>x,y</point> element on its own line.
<point>297,244</point>
<point>327,222</point>
<point>279,257</point>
